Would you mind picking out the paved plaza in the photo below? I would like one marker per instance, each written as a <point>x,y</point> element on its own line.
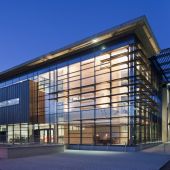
<point>151,159</point>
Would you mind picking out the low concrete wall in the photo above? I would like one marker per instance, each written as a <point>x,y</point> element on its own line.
<point>148,145</point>
<point>3,152</point>
<point>29,150</point>
<point>120,148</point>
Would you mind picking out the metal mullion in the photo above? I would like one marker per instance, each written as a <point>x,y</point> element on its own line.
<point>129,62</point>
<point>94,100</point>
<point>13,134</point>
<point>81,126</point>
<point>37,89</point>
<point>28,130</point>
<point>140,121</point>
<point>145,131</point>
<point>49,118</point>
<point>134,129</point>
<point>133,118</point>
<point>68,111</point>
<point>110,102</point>
<point>55,72</point>
<point>20,131</point>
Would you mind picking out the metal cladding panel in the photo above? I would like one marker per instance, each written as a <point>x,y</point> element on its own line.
<point>162,62</point>
<point>18,113</point>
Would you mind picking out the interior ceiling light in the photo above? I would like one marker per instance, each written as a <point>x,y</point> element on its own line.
<point>95,40</point>
<point>103,48</point>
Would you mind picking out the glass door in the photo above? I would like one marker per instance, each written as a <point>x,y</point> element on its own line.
<point>46,136</point>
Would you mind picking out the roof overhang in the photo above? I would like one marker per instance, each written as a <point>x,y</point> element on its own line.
<point>138,26</point>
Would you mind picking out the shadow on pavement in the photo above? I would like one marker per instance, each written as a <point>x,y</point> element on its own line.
<point>166,166</point>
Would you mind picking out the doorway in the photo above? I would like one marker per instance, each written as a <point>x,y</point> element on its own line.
<point>3,137</point>
<point>43,135</point>
<point>46,136</point>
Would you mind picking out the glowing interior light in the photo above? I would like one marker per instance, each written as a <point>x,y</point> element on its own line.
<point>95,40</point>
<point>103,48</point>
<point>120,51</point>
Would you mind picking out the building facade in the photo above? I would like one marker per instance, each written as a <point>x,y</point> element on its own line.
<point>103,90</point>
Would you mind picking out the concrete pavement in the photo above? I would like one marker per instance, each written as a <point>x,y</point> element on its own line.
<point>89,160</point>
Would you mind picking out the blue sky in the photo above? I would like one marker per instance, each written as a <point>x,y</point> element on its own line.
<point>30,28</point>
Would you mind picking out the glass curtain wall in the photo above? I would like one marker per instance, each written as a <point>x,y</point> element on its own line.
<point>148,100</point>
<point>97,100</point>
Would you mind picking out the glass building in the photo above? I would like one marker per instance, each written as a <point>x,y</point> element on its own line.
<point>103,90</point>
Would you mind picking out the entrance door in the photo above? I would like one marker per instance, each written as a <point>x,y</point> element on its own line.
<point>46,135</point>
<point>43,135</point>
<point>37,136</point>
<point>3,137</point>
